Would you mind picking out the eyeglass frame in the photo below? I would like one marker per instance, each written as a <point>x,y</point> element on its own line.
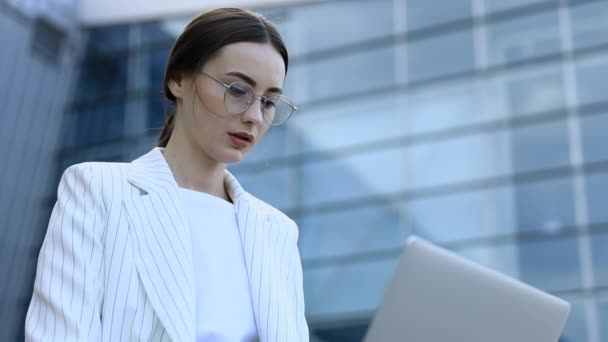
<point>262,98</point>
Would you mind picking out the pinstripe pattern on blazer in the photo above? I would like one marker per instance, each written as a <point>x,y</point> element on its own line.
<point>116,261</point>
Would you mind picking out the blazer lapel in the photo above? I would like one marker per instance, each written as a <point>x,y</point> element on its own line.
<point>267,264</point>
<point>162,244</point>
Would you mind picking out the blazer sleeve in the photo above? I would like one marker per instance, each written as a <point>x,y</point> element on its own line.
<point>66,300</point>
<point>298,290</point>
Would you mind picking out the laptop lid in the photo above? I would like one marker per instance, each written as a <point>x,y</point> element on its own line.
<point>437,295</point>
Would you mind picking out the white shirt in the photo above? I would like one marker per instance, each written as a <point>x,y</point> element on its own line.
<point>223,296</point>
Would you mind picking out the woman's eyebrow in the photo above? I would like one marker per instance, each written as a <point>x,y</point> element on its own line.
<point>251,82</point>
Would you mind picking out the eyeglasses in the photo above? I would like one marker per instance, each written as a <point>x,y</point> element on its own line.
<point>239,96</point>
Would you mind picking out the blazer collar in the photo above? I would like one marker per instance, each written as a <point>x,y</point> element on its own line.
<point>151,173</point>
<point>162,235</point>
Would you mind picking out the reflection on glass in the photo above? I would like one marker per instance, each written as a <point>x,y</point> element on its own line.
<point>347,123</point>
<point>539,146</point>
<point>591,76</point>
<point>100,77</point>
<point>359,176</point>
<point>97,124</point>
<point>603,313</point>
<point>493,212</point>
<point>525,91</point>
<point>425,13</point>
<point>336,24</point>
<point>589,26</point>
<point>107,39</point>
<point>272,184</point>
<point>595,139</point>
<point>576,326</point>
<point>599,253</point>
<point>551,265</point>
<point>440,56</point>
<point>350,231</point>
<point>501,5</point>
<point>523,38</point>
<point>352,73</point>
<point>597,190</point>
<point>484,155</point>
<point>348,288</point>
<point>274,144</point>
<point>460,104</point>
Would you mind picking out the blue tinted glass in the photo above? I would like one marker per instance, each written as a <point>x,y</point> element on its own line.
<point>317,127</point>
<point>347,288</point>
<point>594,128</point>
<point>336,23</point>
<point>498,211</point>
<point>440,56</point>
<point>98,123</point>
<point>274,144</point>
<point>591,76</point>
<point>359,176</point>
<point>461,104</point>
<point>576,326</point>
<point>349,74</point>
<point>108,39</point>
<point>425,13</point>
<point>350,231</point>
<point>157,63</point>
<point>597,196</point>
<point>523,38</point>
<point>485,155</point>
<point>500,5</point>
<point>599,254</point>
<point>157,107</point>
<point>589,26</point>
<point>550,265</point>
<point>540,146</point>
<point>162,32</point>
<point>271,184</point>
<point>528,91</point>
<point>603,311</point>
<point>100,77</point>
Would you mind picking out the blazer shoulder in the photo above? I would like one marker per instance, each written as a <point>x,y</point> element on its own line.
<point>274,214</point>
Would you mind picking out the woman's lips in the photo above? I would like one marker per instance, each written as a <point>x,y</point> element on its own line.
<point>239,141</point>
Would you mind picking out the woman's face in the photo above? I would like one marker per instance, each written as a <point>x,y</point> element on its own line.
<point>200,100</point>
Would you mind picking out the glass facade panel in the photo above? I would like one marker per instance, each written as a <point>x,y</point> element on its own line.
<point>440,56</point>
<point>100,77</point>
<point>523,38</point>
<point>501,5</point>
<point>600,258</point>
<point>425,13</point>
<point>351,122</point>
<point>500,211</point>
<point>550,265</point>
<point>353,177</point>
<point>597,188</point>
<point>479,156</point>
<point>336,24</point>
<point>350,231</point>
<point>107,40</point>
<point>589,25</point>
<point>594,128</point>
<point>330,290</point>
<point>272,185</point>
<point>591,75</point>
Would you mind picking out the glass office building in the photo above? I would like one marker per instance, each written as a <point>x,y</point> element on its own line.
<point>479,124</point>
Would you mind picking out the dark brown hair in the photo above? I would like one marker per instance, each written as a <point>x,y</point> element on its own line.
<point>204,36</point>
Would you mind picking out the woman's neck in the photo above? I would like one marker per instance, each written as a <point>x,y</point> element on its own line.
<point>193,168</point>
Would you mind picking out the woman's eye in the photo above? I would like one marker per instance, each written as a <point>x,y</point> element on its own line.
<point>269,103</point>
<point>237,92</point>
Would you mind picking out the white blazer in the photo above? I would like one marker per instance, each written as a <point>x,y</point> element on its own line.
<point>116,262</point>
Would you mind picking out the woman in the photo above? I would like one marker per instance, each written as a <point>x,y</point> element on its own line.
<point>170,247</point>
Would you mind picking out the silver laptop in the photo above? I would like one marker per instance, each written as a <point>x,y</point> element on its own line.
<point>438,296</point>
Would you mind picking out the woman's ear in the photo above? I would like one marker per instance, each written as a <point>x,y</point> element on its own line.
<point>176,86</point>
